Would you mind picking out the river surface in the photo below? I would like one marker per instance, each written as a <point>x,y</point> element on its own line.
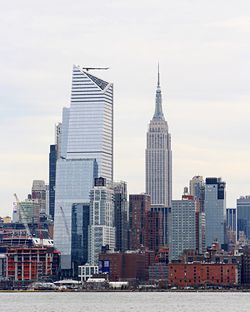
<point>123,302</point>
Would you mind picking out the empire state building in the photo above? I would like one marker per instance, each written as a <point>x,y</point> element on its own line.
<point>159,156</point>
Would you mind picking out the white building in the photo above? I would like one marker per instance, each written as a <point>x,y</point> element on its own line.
<point>183,227</point>
<point>87,271</point>
<point>101,228</point>
<point>159,157</point>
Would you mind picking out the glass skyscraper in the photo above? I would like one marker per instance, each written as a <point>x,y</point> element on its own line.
<point>74,179</point>
<point>86,152</point>
<point>90,122</point>
<point>159,157</point>
<point>215,210</point>
<point>243,216</point>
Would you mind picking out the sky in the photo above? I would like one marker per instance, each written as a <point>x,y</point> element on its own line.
<point>204,52</point>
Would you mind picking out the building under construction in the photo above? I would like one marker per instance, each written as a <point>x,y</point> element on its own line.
<point>26,259</point>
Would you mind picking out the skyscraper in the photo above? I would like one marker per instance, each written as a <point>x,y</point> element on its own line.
<point>159,156</point>
<point>139,206</point>
<point>101,225</point>
<point>183,233</point>
<point>85,152</point>
<point>38,194</point>
<point>215,210</point>
<point>90,122</point>
<point>52,179</point>
<point>121,215</point>
<point>243,216</point>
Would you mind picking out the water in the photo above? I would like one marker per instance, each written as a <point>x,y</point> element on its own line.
<point>123,302</point>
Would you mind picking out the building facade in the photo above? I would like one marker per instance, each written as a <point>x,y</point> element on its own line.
<point>243,216</point>
<point>215,210</point>
<point>159,156</point>
<point>139,206</point>
<point>74,179</point>
<point>90,121</point>
<point>183,227</point>
<point>79,236</point>
<point>202,274</point>
<point>52,179</point>
<point>121,215</point>
<point>38,194</point>
<point>101,226</point>
<point>85,152</point>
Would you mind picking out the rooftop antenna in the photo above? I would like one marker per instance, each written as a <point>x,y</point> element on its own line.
<point>95,68</point>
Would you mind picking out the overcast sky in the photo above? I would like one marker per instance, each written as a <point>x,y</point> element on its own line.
<point>204,52</point>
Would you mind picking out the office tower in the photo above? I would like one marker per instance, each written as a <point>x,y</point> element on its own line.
<point>121,215</point>
<point>80,223</point>
<point>197,189</point>
<point>231,219</point>
<point>86,152</point>
<point>90,122</point>
<point>243,216</point>
<point>38,194</point>
<point>52,179</point>
<point>215,210</point>
<point>74,179</point>
<point>101,225</point>
<point>159,156</point>
<point>231,227</point>
<point>58,138</point>
<point>139,206</point>
<point>183,229</point>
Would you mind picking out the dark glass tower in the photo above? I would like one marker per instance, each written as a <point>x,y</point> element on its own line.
<point>80,223</point>
<point>52,178</point>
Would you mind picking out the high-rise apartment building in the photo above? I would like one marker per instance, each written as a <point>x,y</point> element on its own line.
<point>215,210</point>
<point>139,206</point>
<point>101,225</point>
<point>159,156</point>
<point>38,194</point>
<point>183,227</point>
<point>121,215</point>
<point>243,216</point>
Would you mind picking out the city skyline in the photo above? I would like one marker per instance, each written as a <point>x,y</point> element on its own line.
<point>206,88</point>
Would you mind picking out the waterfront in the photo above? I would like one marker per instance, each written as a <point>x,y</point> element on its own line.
<point>123,302</point>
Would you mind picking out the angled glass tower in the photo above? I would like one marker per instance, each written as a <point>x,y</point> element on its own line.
<point>86,152</point>
<point>90,123</point>
<point>159,156</point>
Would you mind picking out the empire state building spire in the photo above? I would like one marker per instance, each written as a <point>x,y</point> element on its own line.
<point>159,156</point>
<point>158,100</point>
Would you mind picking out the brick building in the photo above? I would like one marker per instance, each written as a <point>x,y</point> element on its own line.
<point>245,272</point>
<point>154,230</point>
<point>139,206</point>
<point>202,274</point>
<point>129,266</point>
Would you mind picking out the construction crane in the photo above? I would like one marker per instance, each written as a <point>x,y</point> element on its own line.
<point>22,216</point>
<point>95,68</point>
<point>65,222</point>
